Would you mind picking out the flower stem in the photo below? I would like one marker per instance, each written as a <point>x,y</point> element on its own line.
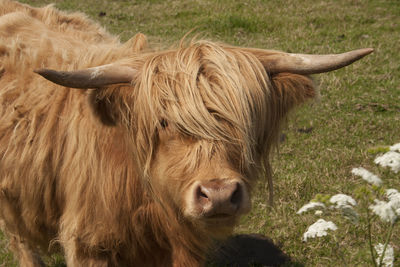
<point>389,235</point>
<point>370,239</point>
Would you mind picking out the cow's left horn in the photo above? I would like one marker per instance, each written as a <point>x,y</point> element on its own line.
<point>90,78</point>
<point>308,64</point>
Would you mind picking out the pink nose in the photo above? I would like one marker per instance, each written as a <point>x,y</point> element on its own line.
<point>219,198</point>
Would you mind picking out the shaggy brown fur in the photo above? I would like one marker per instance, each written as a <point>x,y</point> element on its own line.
<point>104,173</point>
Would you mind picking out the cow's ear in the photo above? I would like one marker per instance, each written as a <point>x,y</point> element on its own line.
<point>291,90</point>
<point>107,103</point>
<point>136,44</point>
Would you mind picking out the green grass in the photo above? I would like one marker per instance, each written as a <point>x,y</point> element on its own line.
<point>359,108</point>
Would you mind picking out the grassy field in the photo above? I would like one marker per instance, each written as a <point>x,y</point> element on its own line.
<point>359,107</point>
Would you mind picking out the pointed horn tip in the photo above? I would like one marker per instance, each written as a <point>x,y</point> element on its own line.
<point>365,51</point>
<point>49,74</point>
<point>370,49</point>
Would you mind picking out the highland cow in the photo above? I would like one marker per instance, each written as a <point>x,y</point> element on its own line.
<point>156,152</point>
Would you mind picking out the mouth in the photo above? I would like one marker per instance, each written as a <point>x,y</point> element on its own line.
<point>219,216</point>
<point>220,220</point>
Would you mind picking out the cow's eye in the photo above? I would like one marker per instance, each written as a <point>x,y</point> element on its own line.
<point>164,123</point>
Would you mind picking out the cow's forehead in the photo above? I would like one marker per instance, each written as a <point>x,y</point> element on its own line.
<point>202,85</point>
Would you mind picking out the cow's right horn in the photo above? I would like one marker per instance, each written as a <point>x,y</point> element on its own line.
<point>276,62</point>
<point>312,64</point>
<point>91,77</point>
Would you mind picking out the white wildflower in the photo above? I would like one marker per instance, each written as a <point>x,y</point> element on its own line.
<point>389,159</point>
<point>395,147</point>
<point>367,176</point>
<point>318,229</point>
<point>311,206</point>
<point>341,200</point>
<point>345,203</point>
<point>318,212</point>
<point>394,199</point>
<point>384,210</point>
<point>392,193</point>
<point>388,258</point>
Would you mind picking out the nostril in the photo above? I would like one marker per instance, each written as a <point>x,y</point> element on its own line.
<point>236,197</point>
<point>201,195</point>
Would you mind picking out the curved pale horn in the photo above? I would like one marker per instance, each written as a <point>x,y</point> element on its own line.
<point>90,78</point>
<point>276,62</point>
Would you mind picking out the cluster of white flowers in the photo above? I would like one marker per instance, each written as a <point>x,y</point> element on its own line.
<point>367,176</point>
<point>389,159</point>
<point>388,258</point>
<point>342,201</point>
<point>346,204</point>
<point>394,198</point>
<point>318,229</point>
<point>311,206</point>
<point>395,147</point>
<point>318,212</point>
<point>389,210</point>
<point>384,210</point>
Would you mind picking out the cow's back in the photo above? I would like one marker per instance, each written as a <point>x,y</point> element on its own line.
<point>73,24</point>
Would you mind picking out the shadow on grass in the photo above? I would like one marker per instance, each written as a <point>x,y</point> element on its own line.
<point>246,250</point>
<point>249,250</point>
